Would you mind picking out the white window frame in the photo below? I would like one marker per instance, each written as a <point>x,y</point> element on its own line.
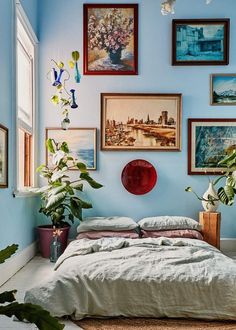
<point>21,16</point>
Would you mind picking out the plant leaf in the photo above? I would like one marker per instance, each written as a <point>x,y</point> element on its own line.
<point>7,296</point>
<point>90,181</point>
<point>8,252</point>
<point>76,209</point>
<point>60,65</point>
<point>77,186</point>
<point>75,55</point>
<point>39,168</point>
<point>64,147</point>
<point>71,64</point>
<point>55,99</point>
<point>50,147</point>
<point>227,159</point>
<point>55,200</point>
<point>32,313</point>
<point>82,167</point>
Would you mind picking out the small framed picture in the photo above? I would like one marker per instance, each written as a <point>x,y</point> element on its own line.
<point>110,39</point>
<point>200,41</point>
<point>3,157</point>
<point>223,89</point>
<point>141,122</point>
<point>82,143</point>
<point>209,141</point>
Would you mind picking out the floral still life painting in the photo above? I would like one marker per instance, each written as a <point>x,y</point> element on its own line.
<point>111,39</point>
<point>223,89</point>
<point>82,143</point>
<point>141,121</point>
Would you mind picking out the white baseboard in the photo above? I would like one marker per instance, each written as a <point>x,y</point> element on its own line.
<point>16,262</point>
<point>228,245</point>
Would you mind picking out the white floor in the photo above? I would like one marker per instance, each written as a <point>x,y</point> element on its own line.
<point>33,272</point>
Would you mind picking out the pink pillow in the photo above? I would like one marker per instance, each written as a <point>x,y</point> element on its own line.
<point>107,233</point>
<point>185,233</point>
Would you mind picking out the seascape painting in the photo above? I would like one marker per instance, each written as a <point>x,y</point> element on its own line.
<point>200,42</point>
<point>110,39</point>
<point>3,157</point>
<point>81,142</point>
<point>141,121</point>
<point>223,89</point>
<point>210,141</point>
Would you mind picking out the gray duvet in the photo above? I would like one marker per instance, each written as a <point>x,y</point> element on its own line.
<point>151,277</point>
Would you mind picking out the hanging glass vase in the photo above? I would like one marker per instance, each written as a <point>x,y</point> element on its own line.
<point>55,248</point>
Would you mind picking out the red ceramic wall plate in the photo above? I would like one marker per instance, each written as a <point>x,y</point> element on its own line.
<point>139,177</point>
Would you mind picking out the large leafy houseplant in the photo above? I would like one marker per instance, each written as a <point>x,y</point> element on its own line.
<point>62,198</point>
<point>226,193</point>
<point>29,312</point>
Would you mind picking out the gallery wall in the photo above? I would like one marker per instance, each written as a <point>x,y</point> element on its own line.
<point>61,31</point>
<point>17,220</point>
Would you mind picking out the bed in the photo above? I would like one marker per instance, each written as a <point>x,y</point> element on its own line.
<point>144,277</point>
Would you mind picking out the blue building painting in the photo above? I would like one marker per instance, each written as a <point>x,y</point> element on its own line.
<point>200,42</point>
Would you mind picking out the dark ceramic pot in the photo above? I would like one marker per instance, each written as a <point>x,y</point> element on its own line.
<point>46,235</point>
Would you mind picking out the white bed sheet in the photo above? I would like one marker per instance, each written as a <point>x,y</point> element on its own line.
<point>151,277</point>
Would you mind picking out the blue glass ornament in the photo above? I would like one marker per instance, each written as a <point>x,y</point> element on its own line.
<point>53,76</point>
<point>73,105</point>
<point>55,249</point>
<point>77,74</point>
<point>58,80</point>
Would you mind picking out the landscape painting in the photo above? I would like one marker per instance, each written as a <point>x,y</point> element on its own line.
<point>200,42</point>
<point>3,157</point>
<point>210,140</point>
<point>141,122</point>
<point>111,39</point>
<point>81,142</point>
<point>223,89</point>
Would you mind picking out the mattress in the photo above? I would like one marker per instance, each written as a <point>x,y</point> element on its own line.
<point>148,277</point>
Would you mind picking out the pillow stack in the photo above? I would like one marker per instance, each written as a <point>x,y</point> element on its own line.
<point>170,226</point>
<point>98,227</point>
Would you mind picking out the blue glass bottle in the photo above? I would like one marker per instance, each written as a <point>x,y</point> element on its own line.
<point>55,249</point>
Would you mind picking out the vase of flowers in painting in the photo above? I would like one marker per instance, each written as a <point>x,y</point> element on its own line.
<point>115,56</point>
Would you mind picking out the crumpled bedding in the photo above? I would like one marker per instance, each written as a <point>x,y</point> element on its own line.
<point>148,277</point>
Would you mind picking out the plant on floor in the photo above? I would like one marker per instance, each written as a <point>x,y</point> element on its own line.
<point>226,193</point>
<point>29,312</point>
<point>61,197</point>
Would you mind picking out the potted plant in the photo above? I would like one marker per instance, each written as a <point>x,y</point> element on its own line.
<point>224,194</point>
<point>61,197</point>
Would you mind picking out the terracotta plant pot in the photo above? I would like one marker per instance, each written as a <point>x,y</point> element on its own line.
<point>45,237</point>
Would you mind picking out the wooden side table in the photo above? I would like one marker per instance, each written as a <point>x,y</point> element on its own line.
<point>210,222</point>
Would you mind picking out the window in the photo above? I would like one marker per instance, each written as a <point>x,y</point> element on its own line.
<point>26,99</point>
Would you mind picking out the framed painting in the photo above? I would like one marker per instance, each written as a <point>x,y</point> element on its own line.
<point>110,39</point>
<point>3,157</point>
<point>200,41</point>
<point>209,142</point>
<point>223,89</point>
<point>141,122</point>
<point>81,141</point>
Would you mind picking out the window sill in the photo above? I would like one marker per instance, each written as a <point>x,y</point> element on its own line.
<point>23,193</point>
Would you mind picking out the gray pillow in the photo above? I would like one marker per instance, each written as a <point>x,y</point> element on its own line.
<point>168,223</point>
<point>107,223</point>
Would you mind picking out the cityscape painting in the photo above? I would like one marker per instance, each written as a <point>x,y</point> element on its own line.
<point>81,142</point>
<point>3,157</point>
<point>223,89</point>
<point>200,42</point>
<point>210,140</point>
<point>141,121</point>
<point>111,39</point>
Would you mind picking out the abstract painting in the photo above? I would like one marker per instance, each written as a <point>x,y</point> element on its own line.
<point>3,157</point>
<point>111,39</point>
<point>200,42</point>
<point>209,142</point>
<point>141,121</point>
<point>223,89</point>
<point>81,142</point>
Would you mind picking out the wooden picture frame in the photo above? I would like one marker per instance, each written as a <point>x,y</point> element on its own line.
<point>82,143</point>
<point>110,49</point>
<point>3,156</point>
<point>138,121</point>
<point>200,41</point>
<point>223,89</point>
<point>208,143</point>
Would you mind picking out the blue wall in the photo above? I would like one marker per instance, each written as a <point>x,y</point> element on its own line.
<point>17,219</point>
<point>60,32</point>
